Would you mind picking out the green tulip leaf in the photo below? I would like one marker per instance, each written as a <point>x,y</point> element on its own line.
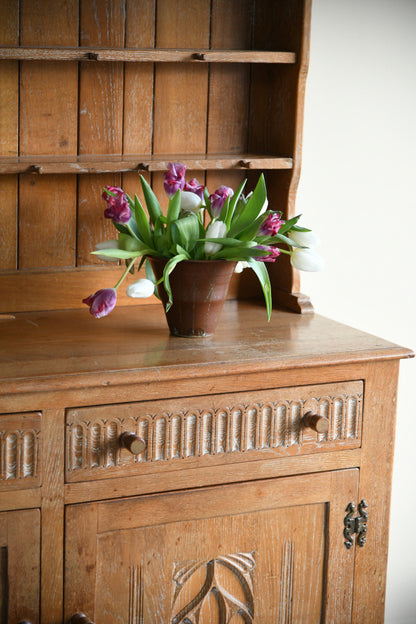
<point>263,276</point>
<point>251,210</point>
<point>152,203</point>
<point>170,265</point>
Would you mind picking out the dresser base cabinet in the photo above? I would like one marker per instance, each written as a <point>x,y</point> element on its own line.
<point>257,490</point>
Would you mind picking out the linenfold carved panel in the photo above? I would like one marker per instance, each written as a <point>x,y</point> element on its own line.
<point>222,588</point>
<point>213,426</point>
<point>20,436</point>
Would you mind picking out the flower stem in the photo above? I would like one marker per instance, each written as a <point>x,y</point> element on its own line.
<point>125,273</point>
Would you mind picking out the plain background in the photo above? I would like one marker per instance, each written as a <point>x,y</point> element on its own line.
<point>357,191</point>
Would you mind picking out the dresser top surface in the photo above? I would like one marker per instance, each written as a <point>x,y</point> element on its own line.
<point>136,339</point>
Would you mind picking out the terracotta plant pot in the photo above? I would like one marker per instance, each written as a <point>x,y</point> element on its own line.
<point>199,289</point>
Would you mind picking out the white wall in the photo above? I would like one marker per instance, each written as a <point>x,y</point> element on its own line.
<point>357,191</point>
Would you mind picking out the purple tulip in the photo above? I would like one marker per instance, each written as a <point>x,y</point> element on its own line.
<point>102,302</point>
<point>219,198</point>
<point>195,187</point>
<point>174,178</point>
<point>274,253</point>
<point>118,208</point>
<point>271,225</point>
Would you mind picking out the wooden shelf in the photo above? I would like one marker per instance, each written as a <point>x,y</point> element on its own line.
<point>149,55</point>
<point>138,162</point>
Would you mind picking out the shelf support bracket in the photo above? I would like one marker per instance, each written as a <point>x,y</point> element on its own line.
<point>355,525</point>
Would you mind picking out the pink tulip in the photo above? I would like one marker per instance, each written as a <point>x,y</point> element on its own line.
<point>219,198</point>
<point>195,187</point>
<point>118,208</point>
<point>271,225</point>
<point>174,178</point>
<point>274,253</point>
<point>102,302</point>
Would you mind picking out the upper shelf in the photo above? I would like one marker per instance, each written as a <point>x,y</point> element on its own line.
<point>151,55</point>
<point>138,162</point>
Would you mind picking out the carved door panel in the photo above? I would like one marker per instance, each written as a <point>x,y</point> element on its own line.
<point>266,552</point>
<point>19,566</point>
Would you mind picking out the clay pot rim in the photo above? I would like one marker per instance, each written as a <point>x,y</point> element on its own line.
<point>164,258</point>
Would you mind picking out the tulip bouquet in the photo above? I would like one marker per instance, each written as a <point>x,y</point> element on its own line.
<point>223,226</point>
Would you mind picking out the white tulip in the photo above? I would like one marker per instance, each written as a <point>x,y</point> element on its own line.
<point>240,266</point>
<point>306,260</point>
<point>305,239</point>
<point>217,229</point>
<point>140,289</point>
<point>190,202</point>
<point>109,244</point>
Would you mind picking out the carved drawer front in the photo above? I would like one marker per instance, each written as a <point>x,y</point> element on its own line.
<point>20,451</point>
<point>209,430</point>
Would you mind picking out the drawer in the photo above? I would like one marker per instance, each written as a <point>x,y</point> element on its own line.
<point>20,451</point>
<point>211,430</point>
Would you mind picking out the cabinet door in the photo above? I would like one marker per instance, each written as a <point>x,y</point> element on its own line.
<point>19,566</point>
<point>258,552</point>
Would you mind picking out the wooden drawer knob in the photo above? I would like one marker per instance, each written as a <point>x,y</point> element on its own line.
<point>80,618</point>
<point>318,423</point>
<point>132,442</point>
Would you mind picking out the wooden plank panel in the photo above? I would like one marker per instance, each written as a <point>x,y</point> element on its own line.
<point>138,93</point>
<point>40,19</point>
<point>48,115</point>
<point>48,125</point>
<point>8,222</point>
<point>138,102</point>
<point>181,92</point>
<point>9,102</point>
<point>47,221</point>
<point>58,289</point>
<point>229,87</point>
<point>101,119</point>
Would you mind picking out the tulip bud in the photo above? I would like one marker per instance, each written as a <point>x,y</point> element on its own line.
<point>118,208</point>
<point>190,202</point>
<point>274,253</point>
<point>219,198</point>
<point>304,239</point>
<point>306,260</point>
<point>174,178</point>
<point>102,302</point>
<point>140,289</point>
<point>217,229</point>
<point>271,225</point>
<point>195,187</point>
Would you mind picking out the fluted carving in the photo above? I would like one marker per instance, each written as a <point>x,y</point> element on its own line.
<point>20,448</point>
<point>225,429</point>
